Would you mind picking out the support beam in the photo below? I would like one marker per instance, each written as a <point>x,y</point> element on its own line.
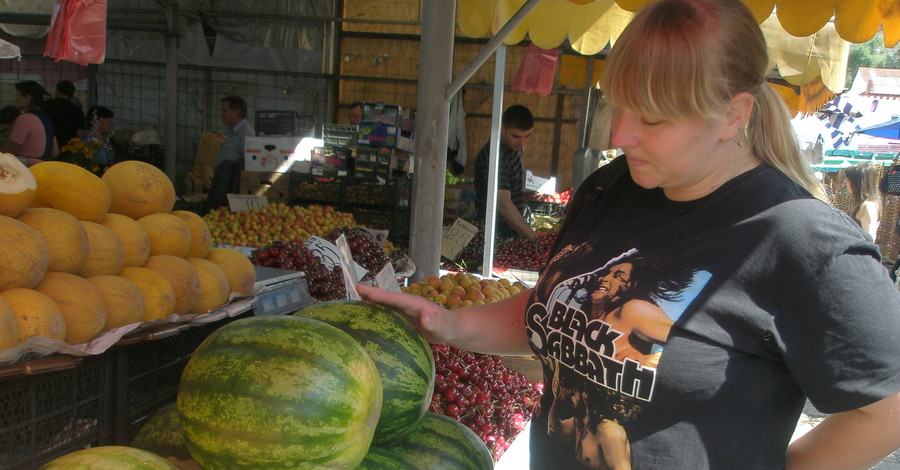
<point>432,127</point>
<point>490,227</point>
<point>171,147</point>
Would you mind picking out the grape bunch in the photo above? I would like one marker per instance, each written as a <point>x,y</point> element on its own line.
<point>365,251</point>
<point>525,254</point>
<point>479,391</point>
<point>324,284</point>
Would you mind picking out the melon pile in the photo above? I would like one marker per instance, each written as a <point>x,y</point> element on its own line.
<point>81,254</point>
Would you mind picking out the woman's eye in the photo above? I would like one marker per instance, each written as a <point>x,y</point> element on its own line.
<point>650,122</point>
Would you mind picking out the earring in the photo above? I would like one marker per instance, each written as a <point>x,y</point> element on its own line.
<point>737,132</point>
<point>741,130</point>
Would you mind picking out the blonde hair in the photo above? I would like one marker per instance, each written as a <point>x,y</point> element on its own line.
<point>683,58</point>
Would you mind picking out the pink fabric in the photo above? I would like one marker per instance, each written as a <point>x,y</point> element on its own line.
<point>28,131</point>
<point>78,32</point>
<point>537,72</point>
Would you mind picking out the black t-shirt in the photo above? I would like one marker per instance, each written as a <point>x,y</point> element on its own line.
<point>687,335</point>
<point>510,177</point>
<point>67,119</point>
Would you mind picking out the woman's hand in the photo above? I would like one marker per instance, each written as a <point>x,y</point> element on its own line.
<point>432,320</point>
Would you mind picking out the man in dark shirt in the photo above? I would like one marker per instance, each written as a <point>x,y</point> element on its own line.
<point>517,125</point>
<point>67,117</point>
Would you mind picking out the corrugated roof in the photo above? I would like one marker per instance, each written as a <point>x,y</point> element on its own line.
<point>881,82</point>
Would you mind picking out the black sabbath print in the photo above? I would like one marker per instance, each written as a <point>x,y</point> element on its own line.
<point>602,334</point>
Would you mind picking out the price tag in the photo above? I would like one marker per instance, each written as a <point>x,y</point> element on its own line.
<point>378,235</point>
<point>246,202</point>
<point>457,238</point>
<point>347,267</point>
<point>387,279</point>
<point>326,251</point>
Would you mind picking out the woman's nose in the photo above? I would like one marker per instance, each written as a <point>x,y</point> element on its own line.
<point>621,134</point>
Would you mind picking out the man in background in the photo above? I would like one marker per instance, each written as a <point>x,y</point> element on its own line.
<point>354,114</point>
<point>230,161</point>
<point>517,126</point>
<point>67,117</point>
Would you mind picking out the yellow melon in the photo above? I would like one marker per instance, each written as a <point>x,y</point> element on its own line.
<point>183,277</point>
<point>138,189</point>
<point>159,295</point>
<point>169,235</point>
<point>23,254</point>
<point>133,236</point>
<point>67,241</point>
<point>72,189</point>
<point>201,237</point>
<point>37,314</point>
<point>123,299</point>
<point>214,287</point>
<point>9,325</point>
<point>238,268</point>
<point>17,186</point>
<point>80,303</point>
<point>106,253</point>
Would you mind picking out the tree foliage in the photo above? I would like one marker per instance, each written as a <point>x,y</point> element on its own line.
<point>871,53</point>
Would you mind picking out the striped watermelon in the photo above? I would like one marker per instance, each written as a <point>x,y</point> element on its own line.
<point>109,458</point>
<point>161,434</point>
<point>442,443</point>
<point>401,354</point>
<point>380,458</point>
<point>279,392</point>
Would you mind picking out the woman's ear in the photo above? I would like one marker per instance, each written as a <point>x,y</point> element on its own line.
<point>737,115</point>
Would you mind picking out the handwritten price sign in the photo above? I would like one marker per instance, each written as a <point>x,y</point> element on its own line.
<point>457,238</point>
<point>245,202</point>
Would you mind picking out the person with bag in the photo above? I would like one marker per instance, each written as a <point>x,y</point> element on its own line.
<point>787,300</point>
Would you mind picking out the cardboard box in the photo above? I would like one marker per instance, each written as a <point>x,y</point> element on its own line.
<point>200,177</point>
<point>380,113</point>
<point>540,185</point>
<point>378,135</point>
<point>272,154</point>
<point>275,186</point>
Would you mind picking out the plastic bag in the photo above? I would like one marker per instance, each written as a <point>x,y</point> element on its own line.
<point>78,32</point>
<point>537,72</point>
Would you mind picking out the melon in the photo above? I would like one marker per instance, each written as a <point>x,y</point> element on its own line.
<point>24,254</point>
<point>279,392</point>
<point>168,234</point>
<point>159,295</point>
<point>403,357</point>
<point>138,189</point>
<point>444,443</point>
<point>183,277</point>
<point>9,325</point>
<point>71,189</point>
<point>213,286</point>
<point>37,314</point>
<point>379,458</point>
<point>123,299</point>
<point>133,236</point>
<point>201,237</point>
<point>106,253</point>
<point>17,185</point>
<point>79,301</point>
<point>238,269</point>
<point>67,241</point>
<point>109,457</point>
<point>162,435</point>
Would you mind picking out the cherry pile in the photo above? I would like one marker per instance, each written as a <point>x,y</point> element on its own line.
<point>364,250</point>
<point>324,284</point>
<point>470,257</point>
<point>479,391</point>
<point>525,254</point>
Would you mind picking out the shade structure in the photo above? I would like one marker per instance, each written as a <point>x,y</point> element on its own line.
<point>887,130</point>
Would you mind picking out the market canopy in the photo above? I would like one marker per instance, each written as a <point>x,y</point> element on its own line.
<point>887,130</point>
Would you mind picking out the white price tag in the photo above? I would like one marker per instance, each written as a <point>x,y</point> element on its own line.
<point>387,279</point>
<point>457,238</point>
<point>326,251</point>
<point>378,235</point>
<point>246,202</point>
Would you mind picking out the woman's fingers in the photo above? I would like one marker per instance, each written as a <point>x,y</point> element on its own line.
<point>422,312</point>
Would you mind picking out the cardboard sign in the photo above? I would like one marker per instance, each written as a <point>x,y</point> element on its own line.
<point>329,254</point>
<point>457,238</point>
<point>347,268</point>
<point>378,235</point>
<point>387,278</point>
<point>246,202</point>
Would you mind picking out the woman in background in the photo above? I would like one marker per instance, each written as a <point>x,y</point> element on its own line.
<point>865,202</point>
<point>32,136</point>
<point>99,135</point>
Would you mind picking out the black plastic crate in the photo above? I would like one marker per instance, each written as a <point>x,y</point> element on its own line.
<point>49,414</point>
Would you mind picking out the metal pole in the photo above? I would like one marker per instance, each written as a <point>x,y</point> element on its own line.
<point>589,76</point>
<point>171,90</point>
<point>432,126</point>
<point>490,47</point>
<point>487,263</point>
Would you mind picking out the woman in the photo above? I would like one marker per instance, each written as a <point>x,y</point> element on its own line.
<point>32,136</point>
<point>788,300</point>
<point>99,135</point>
<point>865,202</point>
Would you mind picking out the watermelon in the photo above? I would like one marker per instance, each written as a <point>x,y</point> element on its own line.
<point>277,392</point>
<point>161,434</point>
<point>442,443</point>
<point>401,354</point>
<point>109,458</point>
<point>380,458</point>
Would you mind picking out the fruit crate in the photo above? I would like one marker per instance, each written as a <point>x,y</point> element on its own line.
<point>148,372</point>
<point>45,414</point>
<point>308,189</point>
